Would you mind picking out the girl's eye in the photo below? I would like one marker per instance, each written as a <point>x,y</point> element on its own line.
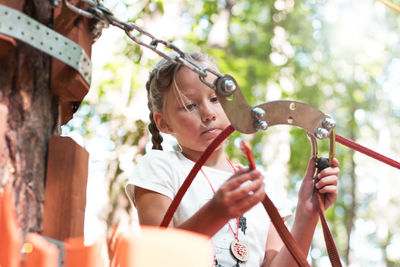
<point>190,106</point>
<point>214,99</point>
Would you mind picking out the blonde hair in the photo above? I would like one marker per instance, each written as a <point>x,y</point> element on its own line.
<point>161,80</point>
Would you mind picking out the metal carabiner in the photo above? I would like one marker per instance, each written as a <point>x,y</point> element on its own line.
<point>321,162</point>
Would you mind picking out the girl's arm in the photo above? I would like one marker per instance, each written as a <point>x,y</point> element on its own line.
<point>231,200</point>
<point>306,217</point>
<point>151,207</point>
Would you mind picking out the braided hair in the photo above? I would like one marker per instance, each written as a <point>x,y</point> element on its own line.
<point>160,80</point>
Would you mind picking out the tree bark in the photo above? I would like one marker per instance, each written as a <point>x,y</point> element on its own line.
<point>32,119</point>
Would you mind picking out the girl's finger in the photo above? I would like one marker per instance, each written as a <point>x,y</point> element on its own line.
<point>241,167</point>
<point>328,171</point>
<point>335,162</point>
<point>246,190</point>
<point>328,189</point>
<point>327,180</point>
<point>248,202</point>
<point>240,171</point>
<point>237,180</point>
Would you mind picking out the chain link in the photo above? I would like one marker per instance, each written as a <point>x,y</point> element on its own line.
<point>94,9</point>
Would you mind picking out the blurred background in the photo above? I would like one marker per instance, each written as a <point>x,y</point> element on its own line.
<point>340,56</point>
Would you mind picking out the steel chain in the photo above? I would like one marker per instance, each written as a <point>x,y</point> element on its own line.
<point>94,9</point>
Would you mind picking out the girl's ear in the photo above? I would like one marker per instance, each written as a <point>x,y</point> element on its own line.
<point>161,123</point>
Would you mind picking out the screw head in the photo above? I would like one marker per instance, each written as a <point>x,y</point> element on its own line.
<point>228,86</point>
<point>321,133</point>
<point>258,113</point>
<point>56,2</point>
<point>260,125</point>
<point>225,85</point>
<point>328,123</point>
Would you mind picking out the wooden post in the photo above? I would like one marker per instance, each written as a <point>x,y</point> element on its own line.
<point>66,82</point>
<point>66,180</point>
<point>7,43</point>
<point>32,118</point>
<point>3,126</point>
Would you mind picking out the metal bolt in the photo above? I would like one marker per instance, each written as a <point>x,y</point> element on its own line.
<point>260,125</point>
<point>258,113</point>
<point>228,86</point>
<point>225,85</point>
<point>55,3</point>
<point>321,133</point>
<point>328,123</point>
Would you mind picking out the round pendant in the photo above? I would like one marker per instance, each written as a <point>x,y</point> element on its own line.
<point>239,251</point>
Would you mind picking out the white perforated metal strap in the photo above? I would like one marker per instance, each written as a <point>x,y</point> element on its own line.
<point>22,27</point>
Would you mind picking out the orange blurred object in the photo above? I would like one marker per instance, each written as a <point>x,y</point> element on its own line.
<point>156,246</point>
<point>39,252</point>
<point>246,151</point>
<point>10,232</point>
<point>77,254</point>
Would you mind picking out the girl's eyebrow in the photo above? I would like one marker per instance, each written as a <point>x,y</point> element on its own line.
<point>188,95</point>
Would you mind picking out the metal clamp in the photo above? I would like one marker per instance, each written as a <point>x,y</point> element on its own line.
<point>22,27</point>
<point>247,119</point>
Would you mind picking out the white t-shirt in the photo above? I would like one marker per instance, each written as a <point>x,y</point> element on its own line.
<point>165,171</point>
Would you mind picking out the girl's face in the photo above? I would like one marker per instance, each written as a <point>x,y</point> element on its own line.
<point>197,118</point>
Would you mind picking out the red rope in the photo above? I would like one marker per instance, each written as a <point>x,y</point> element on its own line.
<point>189,179</point>
<point>353,145</point>
<point>276,218</point>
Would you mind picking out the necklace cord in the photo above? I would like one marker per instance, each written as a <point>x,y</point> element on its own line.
<point>236,236</point>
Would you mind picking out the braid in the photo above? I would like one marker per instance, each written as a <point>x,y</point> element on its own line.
<point>156,137</point>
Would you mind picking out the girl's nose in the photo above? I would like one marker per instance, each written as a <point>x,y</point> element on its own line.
<point>207,113</point>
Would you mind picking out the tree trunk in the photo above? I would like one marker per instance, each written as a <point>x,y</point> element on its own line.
<point>351,209</point>
<point>32,119</point>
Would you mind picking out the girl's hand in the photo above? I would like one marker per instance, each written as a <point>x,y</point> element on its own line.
<point>325,182</point>
<point>238,194</point>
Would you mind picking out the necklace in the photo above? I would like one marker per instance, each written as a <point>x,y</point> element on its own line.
<point>238,249</point>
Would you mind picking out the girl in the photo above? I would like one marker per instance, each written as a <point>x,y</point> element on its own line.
<point>223,201</point>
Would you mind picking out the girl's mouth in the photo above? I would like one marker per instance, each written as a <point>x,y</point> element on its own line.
<point>210,131</point>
